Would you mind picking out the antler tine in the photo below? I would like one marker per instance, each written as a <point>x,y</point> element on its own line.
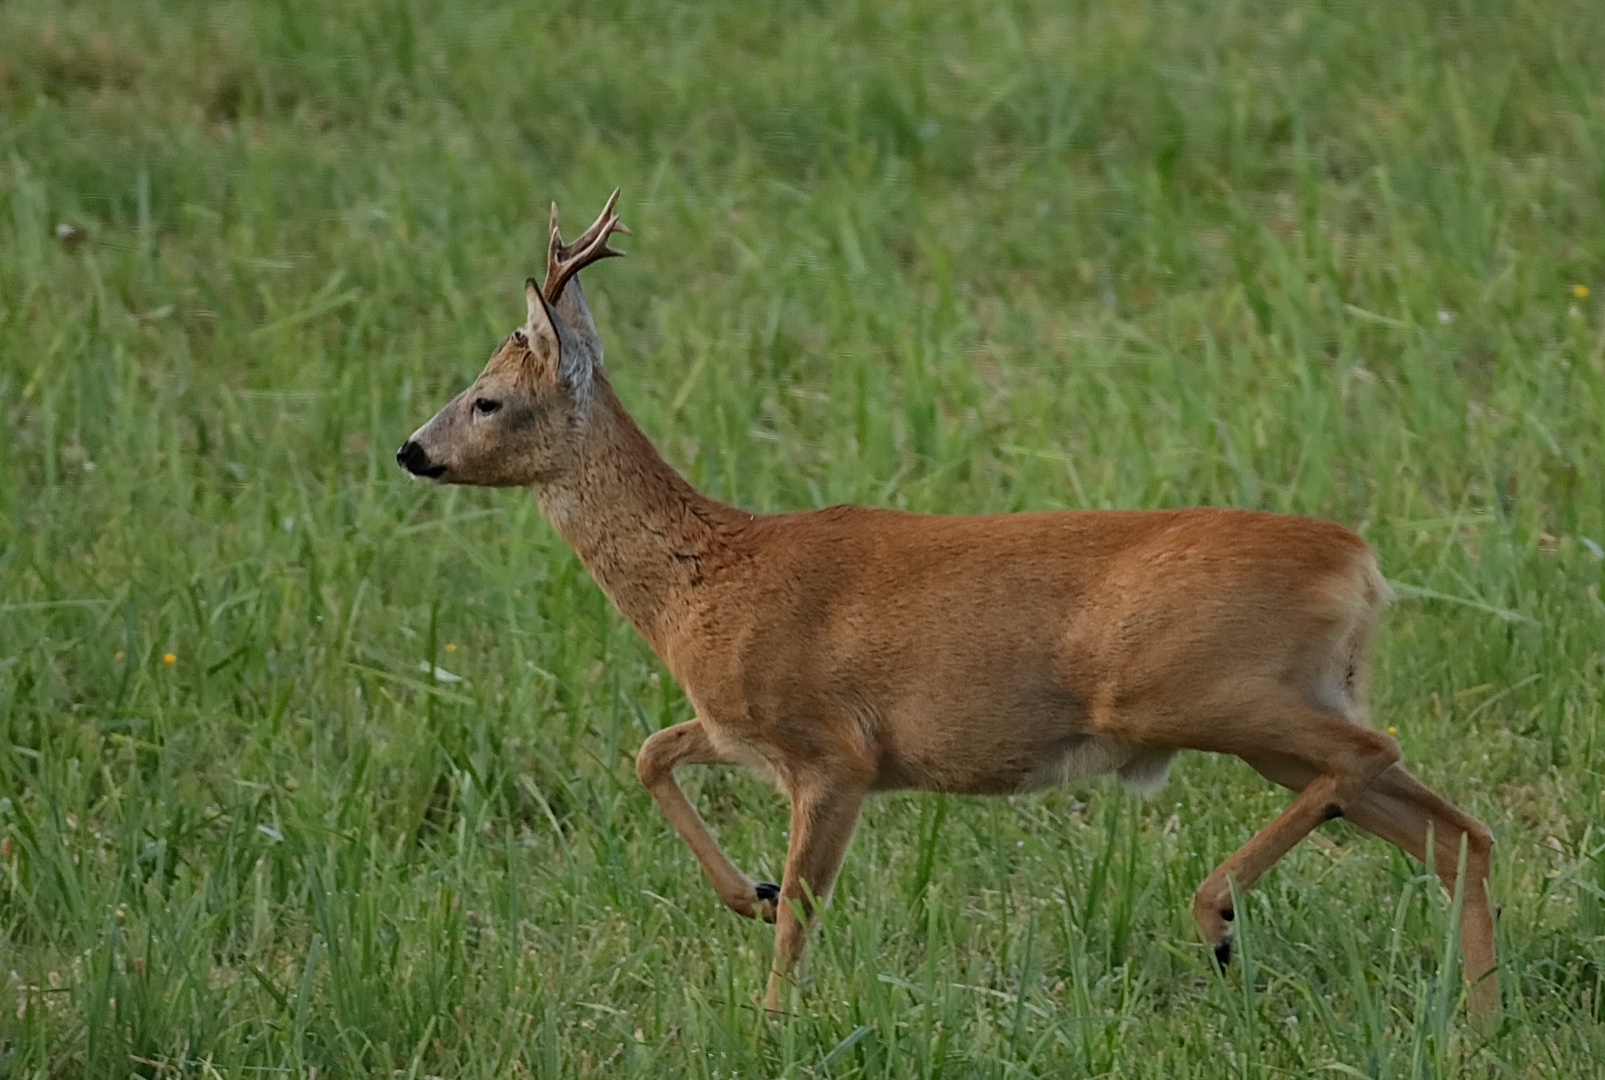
<point>563,261</point>
<point>554,255</point>
<point>606,219</point>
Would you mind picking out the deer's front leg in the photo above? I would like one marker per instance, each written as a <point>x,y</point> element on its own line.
<point>688,744</point>
<point>822,818</point>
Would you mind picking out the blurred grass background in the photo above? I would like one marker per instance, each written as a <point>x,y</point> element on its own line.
<point>304,767</point>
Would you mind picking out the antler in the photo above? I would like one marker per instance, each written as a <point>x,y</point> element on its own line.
<point>563,261</point>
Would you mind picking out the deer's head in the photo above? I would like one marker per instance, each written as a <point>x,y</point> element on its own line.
<point>519,423</point>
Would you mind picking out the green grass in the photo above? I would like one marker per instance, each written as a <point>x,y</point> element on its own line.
<point>1316,257</point>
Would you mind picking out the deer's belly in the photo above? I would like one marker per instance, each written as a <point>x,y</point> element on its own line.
<point>999,766</point>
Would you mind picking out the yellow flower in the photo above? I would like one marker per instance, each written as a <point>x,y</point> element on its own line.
<point>1392,730</point>
<point>1580,291</point>
<point>119,656</point>
<point>169,658</point>
<point>451,648</point>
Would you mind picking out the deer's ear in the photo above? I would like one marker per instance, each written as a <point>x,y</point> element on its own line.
<point>538,314</point>
<point>554,342</point>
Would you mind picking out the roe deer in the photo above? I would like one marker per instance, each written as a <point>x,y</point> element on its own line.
<point>852,649</point>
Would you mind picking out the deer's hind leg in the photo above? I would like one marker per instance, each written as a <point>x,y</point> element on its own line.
<point>688,744</point>
<point>1340,759</point>
<point>1406,813</point>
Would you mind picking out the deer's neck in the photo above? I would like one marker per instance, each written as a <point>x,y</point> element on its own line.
<point>646,535</point>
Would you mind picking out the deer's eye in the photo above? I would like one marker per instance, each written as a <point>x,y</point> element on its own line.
<point>520,338</point>
<point>486,406</point>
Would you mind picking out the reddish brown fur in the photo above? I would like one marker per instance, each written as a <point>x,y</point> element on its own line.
<point>853,649</point>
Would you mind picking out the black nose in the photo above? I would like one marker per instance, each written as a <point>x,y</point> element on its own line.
<point>415,460</point>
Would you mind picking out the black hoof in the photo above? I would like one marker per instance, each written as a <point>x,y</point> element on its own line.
<point>1223,953</point>
<point>766,890</point>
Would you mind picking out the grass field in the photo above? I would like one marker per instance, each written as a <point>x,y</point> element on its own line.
<point>307,768</point>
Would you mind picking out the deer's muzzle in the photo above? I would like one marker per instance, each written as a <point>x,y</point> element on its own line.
<point>415,459</point>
